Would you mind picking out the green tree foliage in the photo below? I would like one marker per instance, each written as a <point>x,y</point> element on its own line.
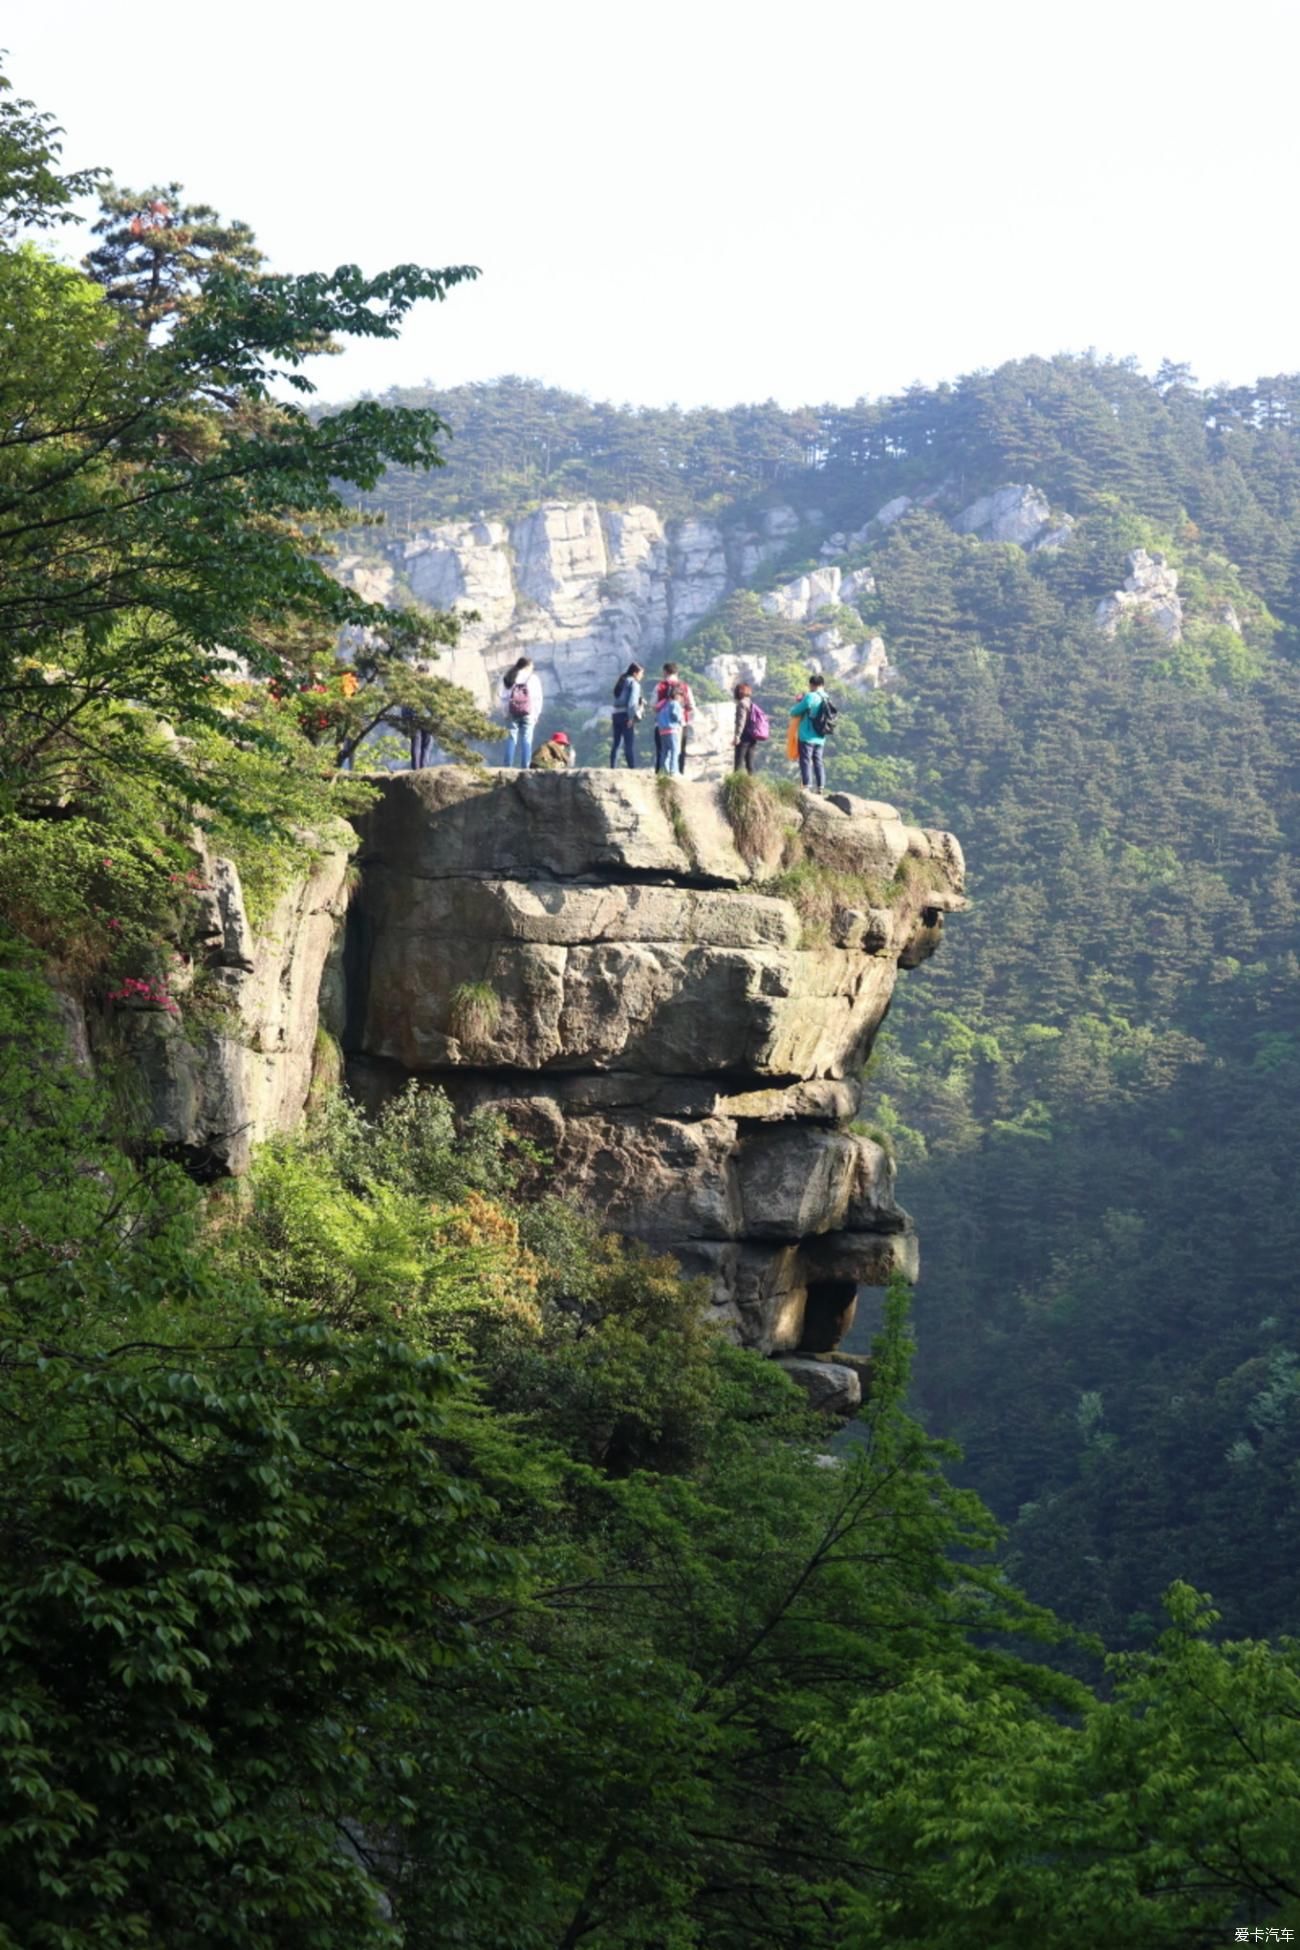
<point>1158,1813</point>
<point>162,531</point>
<point>301,1644</point>
<point>234,1554</point>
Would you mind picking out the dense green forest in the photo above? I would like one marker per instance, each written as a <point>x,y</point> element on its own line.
<point>386,1560</point>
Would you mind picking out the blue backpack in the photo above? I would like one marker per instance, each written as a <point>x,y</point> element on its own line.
<point>669,714</point>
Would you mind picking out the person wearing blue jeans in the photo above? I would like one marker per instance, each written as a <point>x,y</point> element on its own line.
<point>521,689</point>
<point>670,722</point>
<point>812,740</point>
<point>627,711</point>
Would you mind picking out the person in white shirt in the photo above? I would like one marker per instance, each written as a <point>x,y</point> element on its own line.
<point>521,690</point>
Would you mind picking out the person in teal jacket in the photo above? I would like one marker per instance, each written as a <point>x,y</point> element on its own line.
<point>812,740</point>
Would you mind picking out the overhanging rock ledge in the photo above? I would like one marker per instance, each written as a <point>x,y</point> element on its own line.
<point>592,952</point>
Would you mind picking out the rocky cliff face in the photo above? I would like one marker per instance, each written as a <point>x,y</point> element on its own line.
<point>592,953</point>
<point>584,590</point>
<point>232,1064</point>
<point>1151,591</point>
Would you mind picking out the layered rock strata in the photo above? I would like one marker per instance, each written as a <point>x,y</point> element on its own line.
<point>593,953</point>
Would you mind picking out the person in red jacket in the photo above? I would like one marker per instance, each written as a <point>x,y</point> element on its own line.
<point>666,683</point>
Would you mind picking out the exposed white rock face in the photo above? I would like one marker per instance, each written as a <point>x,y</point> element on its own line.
<point>698,578</point>
<point>1017,513</point>
<point>585,590</point>
<point>885,517</point>
<point>560,560</point>
<point>374,580</point>
<point>863,664</point>
<point>464,567</point>
<point>857,582</point>
<point>730,671</point>
<point>800,600</point>
<point>1150,590</point>
<point>581,589</point>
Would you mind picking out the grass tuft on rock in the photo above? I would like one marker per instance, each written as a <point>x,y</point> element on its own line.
<point>671,801</point>
<point>754,811</point>
<point>475,1012</point>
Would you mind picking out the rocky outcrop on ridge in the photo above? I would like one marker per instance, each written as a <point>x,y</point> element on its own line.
<point>582,589</point>
<point>1150,590</point>
<point>593,953</point>
<point>1016,513</point>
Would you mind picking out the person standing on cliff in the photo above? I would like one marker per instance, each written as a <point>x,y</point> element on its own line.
<point>670,722</point>
<point>671,681</point>
<point>626,715</point>
<point>752,727</point>
<point>521,689</point>
<point>811,715</point>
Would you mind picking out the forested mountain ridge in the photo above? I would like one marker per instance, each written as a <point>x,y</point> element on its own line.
<point>1086,431</point>
<point>1091,1087</point>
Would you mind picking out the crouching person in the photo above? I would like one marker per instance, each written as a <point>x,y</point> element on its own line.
<point>556,755</point>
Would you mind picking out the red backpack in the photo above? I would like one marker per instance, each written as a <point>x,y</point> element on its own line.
<point>758,724</point>
<point>520,701</point>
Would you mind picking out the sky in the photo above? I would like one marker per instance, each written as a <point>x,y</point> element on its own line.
<point>706,203</point>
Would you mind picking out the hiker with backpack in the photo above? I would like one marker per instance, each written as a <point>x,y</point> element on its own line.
<point>752,727</point>
<point>521,689</point>
<point>627,714</point>
<point>670,681</point>
<point>670,723</point>
<point>815,716</point>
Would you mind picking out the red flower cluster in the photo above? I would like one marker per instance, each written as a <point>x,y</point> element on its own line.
<point>142,988</point>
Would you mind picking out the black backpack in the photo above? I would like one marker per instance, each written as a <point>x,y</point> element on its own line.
<point>826,716</point>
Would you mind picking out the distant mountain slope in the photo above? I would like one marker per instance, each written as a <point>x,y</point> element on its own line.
<point>1085,431</point>
<point>1088,585</point>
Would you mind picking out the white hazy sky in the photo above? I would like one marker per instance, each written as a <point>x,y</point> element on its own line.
<point>714,202</point>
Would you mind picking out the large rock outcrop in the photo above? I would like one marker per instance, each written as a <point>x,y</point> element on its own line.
<point>594,953</point>
<point>230,1063</point>
<point>582,589</point>
<point>1150,591</point>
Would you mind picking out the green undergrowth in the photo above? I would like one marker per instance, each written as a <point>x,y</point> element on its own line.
<point>817,893</point>
<point>913,879</point>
